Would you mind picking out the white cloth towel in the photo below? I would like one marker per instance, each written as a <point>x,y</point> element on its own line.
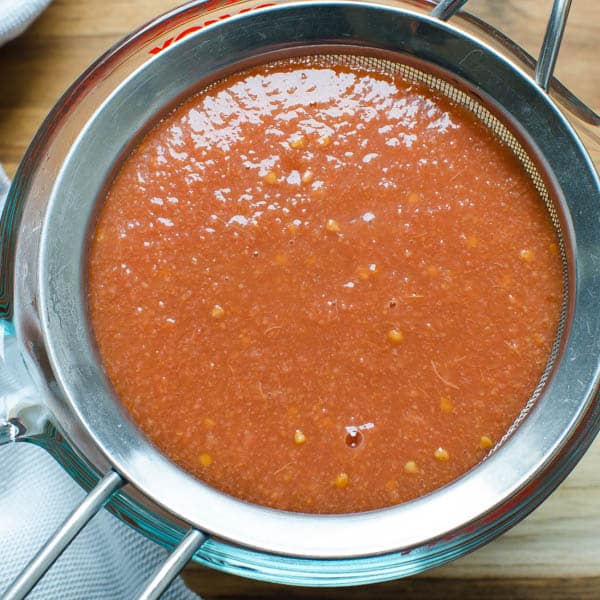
<point>17,15</point>
<point>108,560</point>
<point>4,185</point>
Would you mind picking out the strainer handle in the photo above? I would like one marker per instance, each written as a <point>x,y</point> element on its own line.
<point>63,536</point>
<point>552,39</point>
<point>551,44</point>
<point>444,9</point>
<point>76,521</point>
<point>164,575</point>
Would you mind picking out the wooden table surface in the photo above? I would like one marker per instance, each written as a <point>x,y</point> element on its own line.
<point>555,553</point>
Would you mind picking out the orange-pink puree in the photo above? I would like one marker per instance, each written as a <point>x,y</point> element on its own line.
<point>323,289</point>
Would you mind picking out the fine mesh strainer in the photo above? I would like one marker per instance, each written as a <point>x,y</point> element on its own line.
<point>68,406</point>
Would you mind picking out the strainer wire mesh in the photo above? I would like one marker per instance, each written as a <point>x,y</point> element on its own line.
<point>501,132</point>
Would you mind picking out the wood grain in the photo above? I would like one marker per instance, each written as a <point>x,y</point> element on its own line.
<point>215,586</point>
<point>553,554</point>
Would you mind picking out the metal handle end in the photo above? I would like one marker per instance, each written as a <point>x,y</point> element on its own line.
<point>551,44</point>
<point>446,8</point>
<point>164,575</point>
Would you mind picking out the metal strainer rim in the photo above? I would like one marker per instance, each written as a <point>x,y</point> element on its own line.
<point>80,391</point>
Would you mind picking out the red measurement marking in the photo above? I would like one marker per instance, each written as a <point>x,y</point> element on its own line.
<point>195,28</point>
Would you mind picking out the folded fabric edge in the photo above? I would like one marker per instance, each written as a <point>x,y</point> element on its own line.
<point>15,17</point>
